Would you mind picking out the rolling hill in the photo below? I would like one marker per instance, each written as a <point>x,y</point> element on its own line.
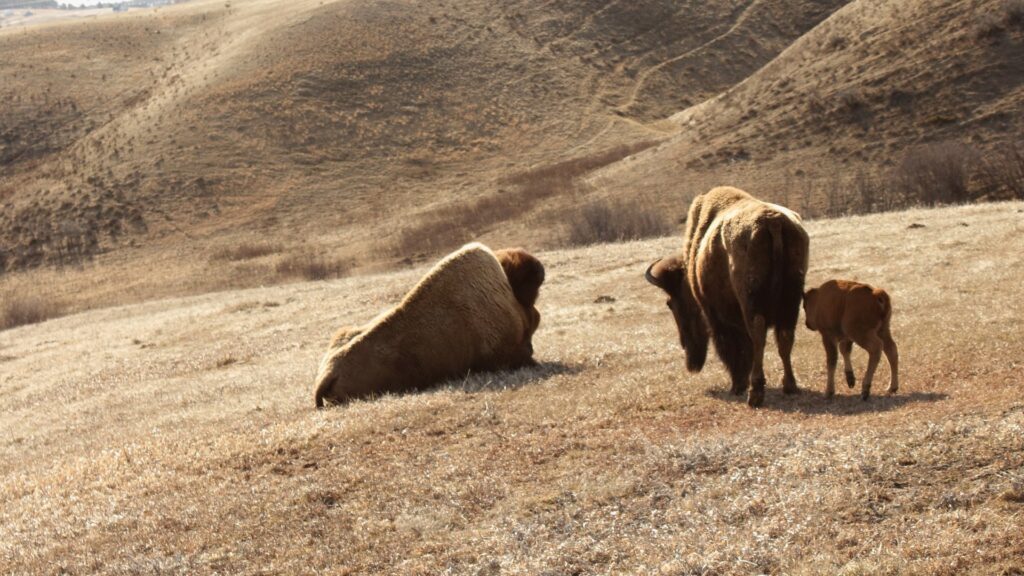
<point>342,121</point>
<point>851,96</point>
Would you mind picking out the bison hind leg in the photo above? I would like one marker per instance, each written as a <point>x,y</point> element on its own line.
<point>784,340</point>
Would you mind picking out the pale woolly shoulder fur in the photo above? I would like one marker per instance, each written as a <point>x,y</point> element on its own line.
<point>461,316</point>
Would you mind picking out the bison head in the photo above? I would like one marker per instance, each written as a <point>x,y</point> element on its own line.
<point>669,274</point>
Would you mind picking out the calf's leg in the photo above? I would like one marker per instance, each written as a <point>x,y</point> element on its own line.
<point>831,359</point>
<point>893,355</point>
<point>873,344</point>
<point>845,347</point>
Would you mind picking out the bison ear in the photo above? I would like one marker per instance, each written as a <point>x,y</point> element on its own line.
<point>665,273</point>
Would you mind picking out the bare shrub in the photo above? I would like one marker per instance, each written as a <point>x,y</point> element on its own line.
<point>551,179</point>
<point>993,24</point>
<point>431,235</point>
<point>448,228</point>
<point>246,251</point>
<point>1002,172</point>
<point>1014,12</point>
<point>852,105</point>
<point>310,266</point>
<point>935,174</point>
<point>21,309</point>
<point>607,221</point>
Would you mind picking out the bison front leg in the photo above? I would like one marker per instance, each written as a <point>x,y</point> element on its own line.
<point>831,360</point>
<point>733,347</point>
<point>758,333</point>
<point>784,340</point>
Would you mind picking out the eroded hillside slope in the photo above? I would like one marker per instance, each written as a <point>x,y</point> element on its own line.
<point>209,120</point>
<point>851,96</point>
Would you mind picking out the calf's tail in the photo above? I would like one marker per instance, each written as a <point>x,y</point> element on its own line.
<point>884,305</point>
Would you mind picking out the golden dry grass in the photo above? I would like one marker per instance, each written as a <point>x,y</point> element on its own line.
<point>179,436</point>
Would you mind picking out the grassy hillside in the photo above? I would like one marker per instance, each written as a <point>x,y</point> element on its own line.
<point>348,122</point>
<point>841,108</point>
<point>188,442</point>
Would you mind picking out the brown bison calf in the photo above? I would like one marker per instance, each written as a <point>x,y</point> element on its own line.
<point>846,312</point>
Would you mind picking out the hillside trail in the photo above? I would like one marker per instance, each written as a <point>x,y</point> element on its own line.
<point>644,75</point>
<point>188,70</point>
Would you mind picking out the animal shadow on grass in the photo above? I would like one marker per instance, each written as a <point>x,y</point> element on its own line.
<point>511,379</point>
<point>810,401</point>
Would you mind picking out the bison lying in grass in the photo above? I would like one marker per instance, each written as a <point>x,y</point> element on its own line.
<point>474,311</point>
<point>741,272</point>
<point>846,312</point>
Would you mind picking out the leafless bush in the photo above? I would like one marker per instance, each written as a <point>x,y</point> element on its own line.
<point>429,236</point>
<point>935,174</point>
<point>446,229</point>
<point>607,221</point>
<point>20,309</point>
<point>994,23</point>
<point>310,266</point>
<point>246,251</point>
<point>852,104</point>
<point>556,179</point>
<point>1002,172</point>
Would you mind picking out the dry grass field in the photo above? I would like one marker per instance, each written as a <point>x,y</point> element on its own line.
<point>194,197</point>
<point>179,437</point>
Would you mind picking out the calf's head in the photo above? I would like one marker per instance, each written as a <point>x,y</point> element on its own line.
<point>669,274</point>
<point>811,307</point>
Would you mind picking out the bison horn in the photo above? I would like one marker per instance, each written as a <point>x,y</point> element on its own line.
<point>650,277</point>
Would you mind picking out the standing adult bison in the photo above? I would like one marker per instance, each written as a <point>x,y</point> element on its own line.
<point>474,311</point>
<point>741,271</point>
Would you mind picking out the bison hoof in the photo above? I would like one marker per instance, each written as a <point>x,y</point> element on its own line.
<point>865,395</point>
<point>790,387</point>
<point>756,396</point>
<point>755,399</point>
<point>850,379</point>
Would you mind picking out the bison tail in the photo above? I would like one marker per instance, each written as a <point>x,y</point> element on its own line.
<point>779,271</point>
<point>884,304</point>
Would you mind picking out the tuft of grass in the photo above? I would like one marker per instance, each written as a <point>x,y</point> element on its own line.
<point>20,309</point>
